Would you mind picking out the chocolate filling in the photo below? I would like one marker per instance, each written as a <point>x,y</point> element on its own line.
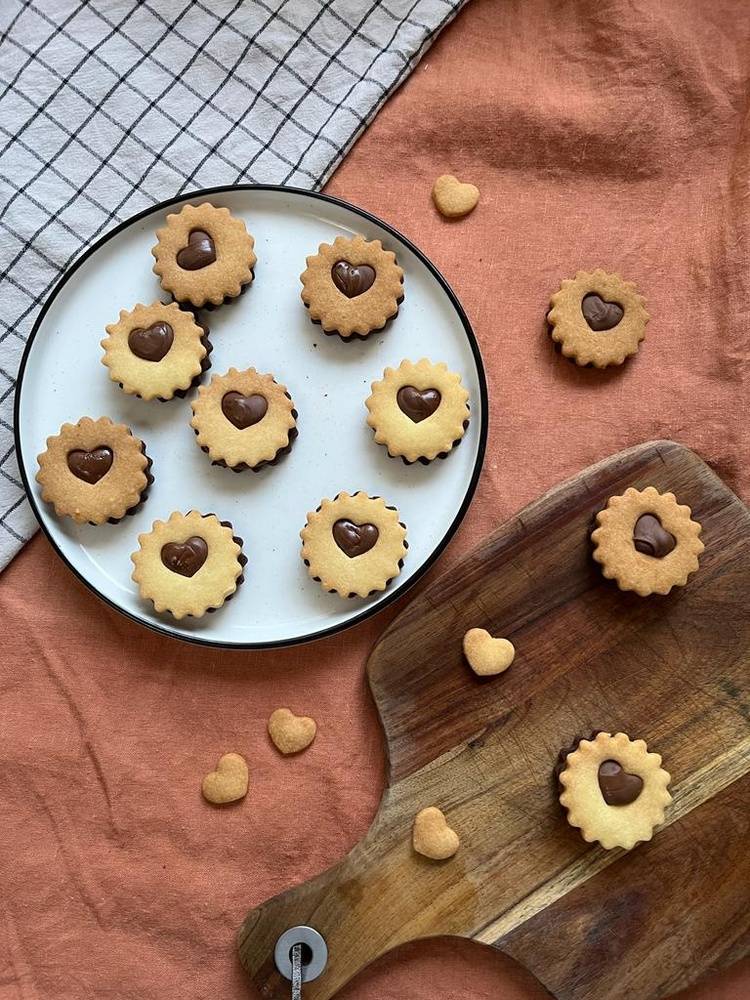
<point>651,539</point>
<point>600,314</point>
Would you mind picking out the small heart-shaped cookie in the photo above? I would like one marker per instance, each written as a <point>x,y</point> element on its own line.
<point>289,732</point>
<point>432,836</point>
<point>452,198</point>
<point>228,782</point>
<point>487,655</point>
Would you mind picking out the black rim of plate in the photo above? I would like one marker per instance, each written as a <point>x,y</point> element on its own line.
<point>396,590</point>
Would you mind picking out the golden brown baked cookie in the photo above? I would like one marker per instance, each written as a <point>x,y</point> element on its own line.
<point>453,198</point>
<point>291,733</point>
<point>94,471</point>
<point>228,783</point>
<point>646,541</point>
<point>597,318</point>
<point>418,411</point>
<point>354,545</point>
<point>613,789</point>
<point>244,420</point>
<point>188,565</point>
<point>487,655</point>
<point>352,287</point>
<point>204,255</point>
<point>156,351</point>
<point>432,837</point>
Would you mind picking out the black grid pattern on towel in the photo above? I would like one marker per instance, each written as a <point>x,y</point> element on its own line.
<point>109,106</point>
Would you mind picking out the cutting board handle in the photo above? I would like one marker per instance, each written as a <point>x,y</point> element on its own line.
<point>338,904</point>
<point>381,895</point>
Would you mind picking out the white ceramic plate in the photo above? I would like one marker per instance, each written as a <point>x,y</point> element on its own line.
<point>62,379</point>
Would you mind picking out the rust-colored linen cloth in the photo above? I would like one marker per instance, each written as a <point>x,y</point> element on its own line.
<point>601,133</point>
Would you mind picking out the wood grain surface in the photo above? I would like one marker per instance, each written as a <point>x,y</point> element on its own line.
<point>673,670</point>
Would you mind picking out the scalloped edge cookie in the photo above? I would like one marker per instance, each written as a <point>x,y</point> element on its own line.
<point>230,272</point>
<point>631,569</point>
<point>179,369</point>
<point>210,587</point>
<point>363,314</point>
<point>364,574</point>
<point>253,447</point>
<point>430,438</point>
<point>568,326</point>
<point>617,825</point>
<point>122,490</point>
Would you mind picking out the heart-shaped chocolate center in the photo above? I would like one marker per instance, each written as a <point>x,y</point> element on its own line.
<point>243,411</point>
<point>354,539</point>
<point>199,252</point>
<point>90,466</point>
<point>350,279</point>
<point>600,314</point>
<point>650,538</point>
<point>417,404</point>
<point>618,788</point>
<point>185,558</point>
<point>151,343</point>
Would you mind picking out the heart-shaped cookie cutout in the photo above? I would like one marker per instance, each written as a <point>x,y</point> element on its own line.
<point>432,837</point>
<point>90,466</point>
<point>228,782</point>
<point>453,198</point>
<point>185,558</point>
<point>199,252</point>
<point>487,655</point>
<point>354,539</point>
<point>151,343</point>
<point>291,733</point>
<point>417,404</point>
<point>244,411</point>
<point>618,788</point>
<point>651,538</point>
<point>352,280</point>
<point>600,314</point>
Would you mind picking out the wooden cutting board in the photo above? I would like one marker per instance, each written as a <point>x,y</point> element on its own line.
<point>674,670</point>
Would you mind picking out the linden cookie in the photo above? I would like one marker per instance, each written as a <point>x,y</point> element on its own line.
<point>598,319</point>
<point>157,351</point>
<point>354,545</point>
<point>352,287</point>
<point>188,565</point>
<point>244,420</point>
<point>419,411</point>
<point>204,255</point>
<point>94,471</point>
<point>614,790</point>
<point>646,541</point>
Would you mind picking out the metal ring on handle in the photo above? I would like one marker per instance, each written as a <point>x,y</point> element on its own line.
<point>282,954</point>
